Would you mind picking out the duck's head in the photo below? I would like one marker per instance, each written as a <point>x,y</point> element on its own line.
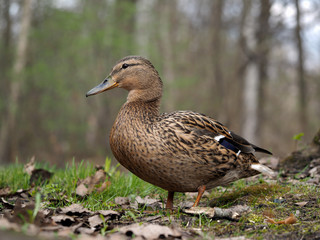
<point>135,74</point>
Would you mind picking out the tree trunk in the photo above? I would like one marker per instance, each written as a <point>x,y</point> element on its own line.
<point>262,52</point>
<point>257,75</point>
<point>167,40</point>
<point>8,124</point>
<point>303,119</point>
<point>242,63</point>
<point>218,87</point>
<point>5,57</point>
<point>250,103</point>
<point>250,86</point>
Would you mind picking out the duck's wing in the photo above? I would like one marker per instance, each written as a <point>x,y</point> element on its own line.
<point>203,126</point>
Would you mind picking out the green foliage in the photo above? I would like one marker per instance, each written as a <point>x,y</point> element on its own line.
<point>298,137</point>
<point>14,177</point>
<point>37,205</point>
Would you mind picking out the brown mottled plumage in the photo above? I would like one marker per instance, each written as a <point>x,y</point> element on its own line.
<point>181,151</point>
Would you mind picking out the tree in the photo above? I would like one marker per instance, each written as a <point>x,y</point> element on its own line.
<point>9,121</point>
<point>263,37</point>
<point>218,86</point>
<point>257,74</point>
<point>303,111</point>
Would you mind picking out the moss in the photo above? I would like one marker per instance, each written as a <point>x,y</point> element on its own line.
<point>249,195</point>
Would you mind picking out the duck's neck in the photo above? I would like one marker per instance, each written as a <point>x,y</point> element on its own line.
<point>143,110</point>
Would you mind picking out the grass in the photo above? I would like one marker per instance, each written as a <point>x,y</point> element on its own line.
<point>62,186</point>
<point>277,198</point>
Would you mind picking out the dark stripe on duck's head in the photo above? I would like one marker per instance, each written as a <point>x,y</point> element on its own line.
<point>140,59</point>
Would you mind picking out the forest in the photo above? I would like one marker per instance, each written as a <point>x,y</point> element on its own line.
<point>252,65</point>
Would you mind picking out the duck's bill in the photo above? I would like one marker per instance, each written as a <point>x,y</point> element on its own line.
<point>107,84</point>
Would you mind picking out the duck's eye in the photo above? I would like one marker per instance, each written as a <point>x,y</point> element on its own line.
<point>124,66</point>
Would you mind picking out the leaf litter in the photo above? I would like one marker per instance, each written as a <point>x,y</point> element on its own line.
<point>18,209</point>
<point>97,182</point>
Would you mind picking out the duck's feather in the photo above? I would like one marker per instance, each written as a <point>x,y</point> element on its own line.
<point>203,126</point>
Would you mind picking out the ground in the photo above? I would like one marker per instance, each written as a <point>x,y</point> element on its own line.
<point>83,201</point>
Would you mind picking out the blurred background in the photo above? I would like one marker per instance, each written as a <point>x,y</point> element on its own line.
<point>252,65</point>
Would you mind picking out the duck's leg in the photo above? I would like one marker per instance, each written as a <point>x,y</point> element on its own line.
<point>169,204</point>
<point>201,190</point>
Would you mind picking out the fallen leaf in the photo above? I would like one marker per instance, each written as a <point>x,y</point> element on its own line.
<point>289,220</point>
<point>40,176</point>
<point>150,231</point>
<point>301,204</point>
<point>64,220</point>
<point>147,203</point>
<point>103,186</point>
<point>314,171</point>
<point>81,190</point>
<point>4,191</point>
<point>122,201</point>
<point>87,185</point>
<point>23,212</point>
<point>36,175</point>
<point>95,221</point>
<point>109,214</point>
<point>30,166</point>
<point>75,209</point>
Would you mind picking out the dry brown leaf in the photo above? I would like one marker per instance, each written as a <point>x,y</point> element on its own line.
<point>76,210</point>
<point>81,190</point>
<point>122,201</point>
<point>30,166</point>
<point>64,220</point>
<point>103,186</point>
<point>40,176</point>
<point>147,203</point>
<point>87,185</point>
<point>36,175</point>
<point>109,214</point>
<point>4,191</point>
<point>150,231</point>
<point>289,220</point>
<point>95,221</point>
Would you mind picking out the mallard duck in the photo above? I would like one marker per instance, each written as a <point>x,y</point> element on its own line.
<point>182,151</point>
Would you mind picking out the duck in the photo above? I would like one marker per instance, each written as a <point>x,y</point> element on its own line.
<point>181,151</point>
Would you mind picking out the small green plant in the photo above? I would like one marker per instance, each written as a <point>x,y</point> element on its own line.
<point>36,206</point>
<point>105,226</point>
<point>111,171</point>
<point>297,138</point>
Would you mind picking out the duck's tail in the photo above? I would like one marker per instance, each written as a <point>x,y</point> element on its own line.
<point>263,169</point>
